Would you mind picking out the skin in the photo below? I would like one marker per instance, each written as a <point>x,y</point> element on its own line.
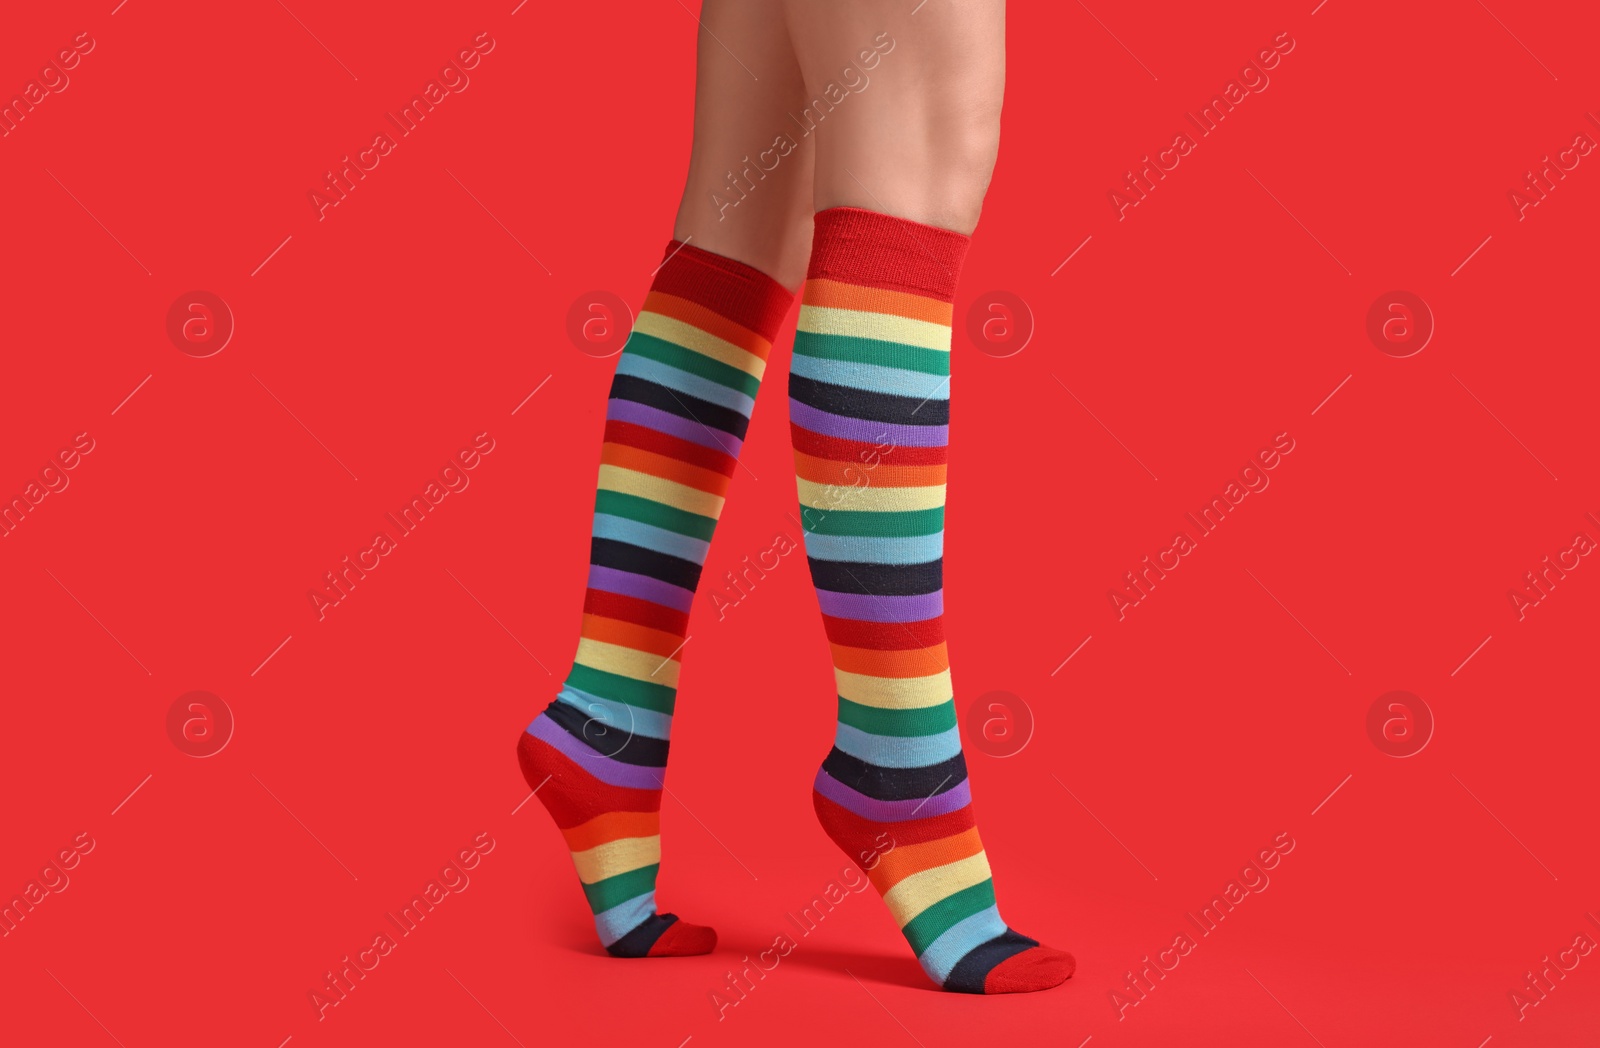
<point>915,137</point>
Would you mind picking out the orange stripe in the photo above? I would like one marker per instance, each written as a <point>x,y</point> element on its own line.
<point>912,662</point>
<point>612,826</point>
<point>665,467</point>
<point>908,859</point>
<point>838,295</point>
<point>706,320</point>
<point>630,635</point>
<point>851,474</point>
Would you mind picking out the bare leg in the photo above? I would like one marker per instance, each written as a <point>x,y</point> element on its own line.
<point>748,82</point>
<point>919,140</point>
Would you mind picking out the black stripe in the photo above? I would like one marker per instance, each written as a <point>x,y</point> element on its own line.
<point>878,580</point>
<point>637,943</point>
<point>643,391</point>
<point>625,556</point>
<point>607,739</point>
<point>970,972</point>
<point>876,407</point>
<point>896,784</point>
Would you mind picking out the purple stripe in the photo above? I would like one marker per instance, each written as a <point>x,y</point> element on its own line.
<point>892,811</point>
<point>847,428</point>
<point>864,607</point>
<point>610,580</point>
<point>608,771</point>
<point>677,426</point>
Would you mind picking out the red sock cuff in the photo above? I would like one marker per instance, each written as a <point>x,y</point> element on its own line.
<point>869,249</point>
<point>733,290</point>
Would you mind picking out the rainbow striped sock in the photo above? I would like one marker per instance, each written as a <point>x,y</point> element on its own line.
<point>869,410</point>
<point>680,404</point>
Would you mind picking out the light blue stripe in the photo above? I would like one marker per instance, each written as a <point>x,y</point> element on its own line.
<point>624,917</point>
<point>872,377</point>
<point>682,381</point>
<point>650,537</point>
<point>617,717</point>
<point>945,952</point>
<point>866,549</point>
<point>898,751</point>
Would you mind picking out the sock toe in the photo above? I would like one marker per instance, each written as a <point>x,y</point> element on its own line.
<point>1037,969</point>
<point>683,939</point>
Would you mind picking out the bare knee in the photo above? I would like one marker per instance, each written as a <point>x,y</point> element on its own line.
<point>920,141</point>
<point>963,164</point>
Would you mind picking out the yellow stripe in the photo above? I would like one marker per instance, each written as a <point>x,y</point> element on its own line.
<point>921,890</point>
<point>894,693</point>
<point>628,662</point>
<point>886,327</point>
<point>614,857</point>
<point>666,492</point>
<point>867,498</point>
<point>703,342</point>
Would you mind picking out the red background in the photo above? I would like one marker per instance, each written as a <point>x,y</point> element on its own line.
<point>1221,712</point>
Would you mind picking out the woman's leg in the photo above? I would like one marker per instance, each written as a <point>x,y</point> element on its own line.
<point>903,160</point>
<point>748,192</point>
<point>680,403</point>
<point>904,108</point>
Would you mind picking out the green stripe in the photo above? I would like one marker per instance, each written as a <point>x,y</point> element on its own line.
<point>885,525</point>
<point>853,349</point>
<point>929,720</point>
<point>619,889</point>
<point>656,514</point>
<point>674,355</point>
<point>943,915</point>
<point>599,683</point>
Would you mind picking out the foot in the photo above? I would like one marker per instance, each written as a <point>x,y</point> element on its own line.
<point>609,811</point>
<point>923,854</point>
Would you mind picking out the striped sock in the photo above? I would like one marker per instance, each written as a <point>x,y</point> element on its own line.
<point>680,403</point>
<point>869,409</point>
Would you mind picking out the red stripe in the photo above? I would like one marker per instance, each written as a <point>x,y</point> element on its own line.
<point>869,249</point>
<point>884,636</point>
<point>579,795</point>
<point>838,449</point>
<point>646,439</point>
<point>637,611</point>
<point>741,293</point>
<point>861,837</point>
